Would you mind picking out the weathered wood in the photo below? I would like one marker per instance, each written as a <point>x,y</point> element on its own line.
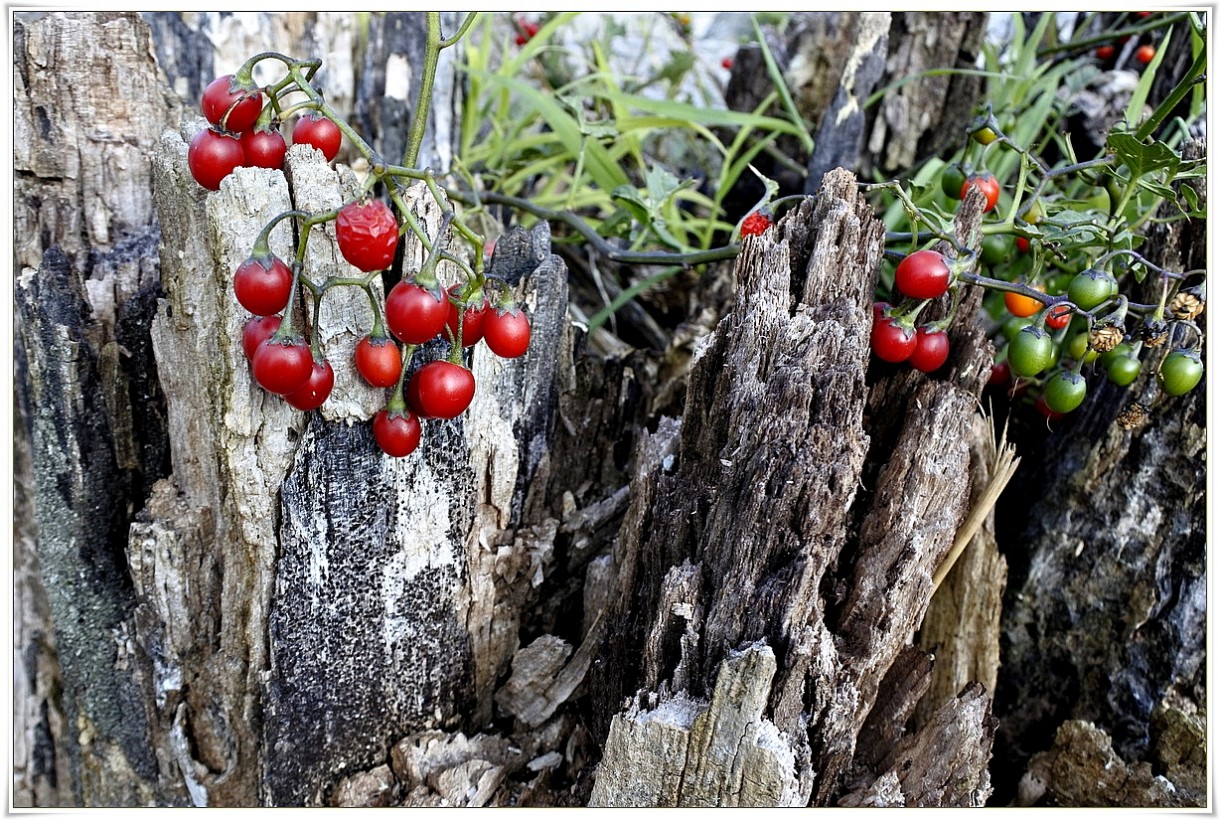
<point>79,510</point>
<point>836,62</point>
<point>923,118</point>
<point>722,752</point>
<point>962,625</point>
<point>1082,769</point>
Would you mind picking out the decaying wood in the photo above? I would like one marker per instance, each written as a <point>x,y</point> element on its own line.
<point>564,597</point>
<point>754,495</point>
<point>723,752</point>
<point>1082,769</point>
<point>962,625</point>
<point>922,118</point>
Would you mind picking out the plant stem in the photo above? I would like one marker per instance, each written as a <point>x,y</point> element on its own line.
<point>419,117</point>
<point>599,244</point>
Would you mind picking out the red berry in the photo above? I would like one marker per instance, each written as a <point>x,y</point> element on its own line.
<point>1000,374</point>
<point>411,394</point>
<point>414,314</point>
<point>367,234</point>
<point>1022,244</point>
<point>318,131</point>
<point>378,361</point>
<point>263,287</point>
<point>891,342</point>
<point>923,275</point>
<point>397,433</point>
<point>755,224</point>
<point>242,105</point>
<point>213,156</point>
<point>316,389</point>
<point>264,149</point>
<point>727,63</point>
<point>257,331</point>
<point>1145,53</point>
<point>931,349</point>
<point>506,332</point>
<point>444,389</point>
<point>1104,52</point>
<point>472,318</point>
<point>1058,317</point>
<point>985,182</point>
<point>281,367</point>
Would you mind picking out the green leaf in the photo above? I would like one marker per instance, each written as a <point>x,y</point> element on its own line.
<point>661,185</point>
<point>1141,158</point>
<point>680,62</point>
<point>600,165</point>
<point>1135,108</point>
<point>629,199</point>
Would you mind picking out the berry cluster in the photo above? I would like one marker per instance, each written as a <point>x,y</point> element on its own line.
<point>282,362</point>
<point>920,277</point>
<point>245,134</point>
<point>417,310</point>
<point>1053,279</point>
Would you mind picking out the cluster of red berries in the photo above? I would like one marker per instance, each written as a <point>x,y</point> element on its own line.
<point>920,276</point>
<point>526,30</point>
<point>284,364</point>
<point>242,134</point>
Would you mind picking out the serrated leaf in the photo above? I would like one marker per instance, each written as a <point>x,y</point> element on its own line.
<point>1141,158</point>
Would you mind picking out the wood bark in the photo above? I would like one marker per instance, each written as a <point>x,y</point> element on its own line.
<point>832,62</point>
<point>702,576</point>
<point>748,526</point>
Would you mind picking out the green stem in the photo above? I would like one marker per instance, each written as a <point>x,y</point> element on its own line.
<point>1175,96</point>
<point>396,403</point>
<point>419,117</point>
<point>461,32</point>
